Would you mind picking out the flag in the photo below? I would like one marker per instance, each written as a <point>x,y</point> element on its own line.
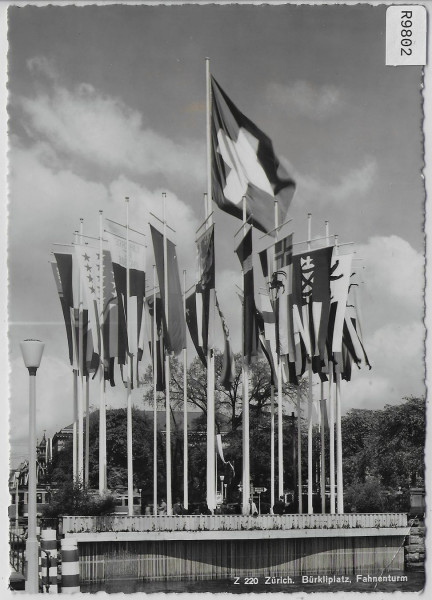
<point>205,289</point>
<point>67,276</point>
<point>250,331</point>
<point>130,327</point>
<point>221,454</point>
<point>175,334</point>
<point>244,164</point>
<point>339,283</point>
<point>281,284</point>
<point>311,302</point>
<point>352,336</point>
<point>157,346</point>
<point>65,305</point>
<point>192,323</point>
<point>226,378</point>
<point>267,335</point>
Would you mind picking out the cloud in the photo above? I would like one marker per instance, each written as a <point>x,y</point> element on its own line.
<point>87,125</point>
<point>351,184</point>
<point>307,99</point>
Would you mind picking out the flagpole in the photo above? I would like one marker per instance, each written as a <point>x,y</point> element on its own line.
<point>167,371</point>
<point>279,374</point>
<point>129,373</point>
<point>340,500</point>
<point>81,375</point>
<point>310,401</point>
<point>272,449</point>
<point>75,422</point>
<point>185,410</point>
<point>87,432</point>
<point>211,442</point>
<point>332,444</point>
<point>322,470</point>
<point>102,407</point>
<point>299,455</point>
<point>246,463</point>
<point>154,397</point>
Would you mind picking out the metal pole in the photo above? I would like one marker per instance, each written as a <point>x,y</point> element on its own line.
<point>87,432</point>
<point>272,449</point>
<point>102,407</point>
<point>310,400</point>
<point>154,396</point>
<point>340,500</point>
<point>32,545</point>
<point>129,375</point>
<point>299,455</point>
<point>167,372</point>
<point>332,443</point>
<point>245,422</point>
<point>322,471</point>
<point>185,411</point>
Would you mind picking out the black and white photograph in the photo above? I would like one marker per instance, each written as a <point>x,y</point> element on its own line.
<point>215,263</point>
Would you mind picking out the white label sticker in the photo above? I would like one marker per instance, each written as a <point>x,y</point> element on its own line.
<point>406,35</point>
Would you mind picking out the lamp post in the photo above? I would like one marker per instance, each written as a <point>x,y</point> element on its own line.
<point>222,477</point>
<point>32,354</point>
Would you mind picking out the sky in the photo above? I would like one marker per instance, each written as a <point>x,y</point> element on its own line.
<point>109,101</point>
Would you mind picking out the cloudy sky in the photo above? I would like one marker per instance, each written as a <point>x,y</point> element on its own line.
<point>109,101</point>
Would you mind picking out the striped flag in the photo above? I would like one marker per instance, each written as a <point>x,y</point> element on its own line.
<point>227,375</point>
<point>267,335</point>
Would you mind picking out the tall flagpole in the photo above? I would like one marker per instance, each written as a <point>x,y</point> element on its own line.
<point>185,410</point>
<point>279,374</point>
<point>322,450</point>
<point>155,375</point>
<point>310,400</point>
<point>87,432</point>
<point>80,466</point>
<point>75,422</point>
<point>211,440</point>
<point>102,407</point>
<point>331,423</point>
<point>246,458</point>
<point>299,455</point>
<point>272,449</point>
<point>340,500</point>
<point>129,373</point>
<point>167,371</point>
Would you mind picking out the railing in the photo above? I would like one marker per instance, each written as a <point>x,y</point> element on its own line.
<point>17,552</point>
<point>118,523</point>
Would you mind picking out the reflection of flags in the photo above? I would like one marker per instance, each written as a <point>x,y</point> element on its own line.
<point>244,164</point>
<point>226,378</point>
<point>311,302</point>
<point>205,289</point>
<point>158,343</point>
<point>192,323</point>
<point>175,337</point>
<point>250,332</point>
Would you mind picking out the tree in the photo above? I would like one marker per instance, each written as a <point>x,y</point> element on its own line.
<point>72,498</point>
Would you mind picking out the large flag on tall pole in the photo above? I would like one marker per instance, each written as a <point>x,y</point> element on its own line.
<point>175,335</point>
<point>250,329</point>
<point>244,164</point>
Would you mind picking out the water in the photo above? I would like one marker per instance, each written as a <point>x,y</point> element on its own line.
<point>407,582</point>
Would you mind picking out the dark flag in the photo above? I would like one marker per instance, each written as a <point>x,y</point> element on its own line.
<point>192,323</point>
<point>250,330</point>
<point>244,164</point>
<point>311,302</point>
<point>226,378</point>
<point>352,336</point>
<point>65,305</point>
<point>205,289</point>
<point>175,335</point>
<point>158,343</point>
<point>266,347</point>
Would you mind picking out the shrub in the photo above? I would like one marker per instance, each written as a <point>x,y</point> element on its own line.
<point>74,499</point>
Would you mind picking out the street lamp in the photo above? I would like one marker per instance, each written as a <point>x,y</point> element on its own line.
<point>222,477</point>
<point>32,354</point>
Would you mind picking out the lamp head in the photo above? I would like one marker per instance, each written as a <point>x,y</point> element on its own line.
<point>32,351</point>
